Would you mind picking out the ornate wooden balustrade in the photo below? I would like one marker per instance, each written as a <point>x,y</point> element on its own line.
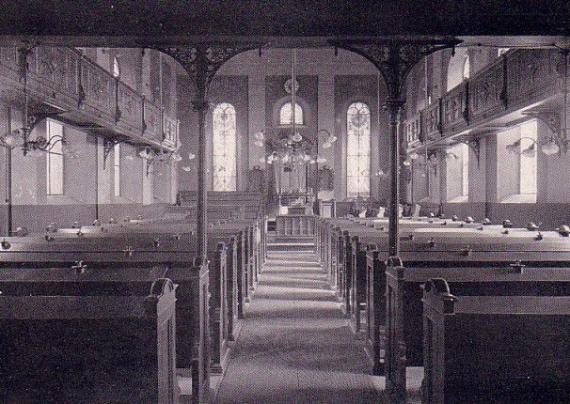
<point>517,80</point>
<point>62,81</point>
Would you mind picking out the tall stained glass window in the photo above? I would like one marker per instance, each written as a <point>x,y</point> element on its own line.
<point>286,114</point>
<point>358,150</point>
<point>224,148</point>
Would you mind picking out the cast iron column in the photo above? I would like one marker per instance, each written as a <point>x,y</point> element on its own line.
<point>201,62</point>
<point>200,105</point>
<point>394,57</point>
<point>394,107</point>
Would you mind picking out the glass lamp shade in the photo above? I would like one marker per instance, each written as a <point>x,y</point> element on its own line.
<point>259,135</point>
<point>35,152</point>
<point>258,143</point>
<point>11,139</point>
<point>550,148</point>
<point>529,151</point>
<point>191,156</point>
<point>297,137</point>
<point>327,145</point>
<point>187,168</point>
<point>413,155</point>
<point>407,162</point>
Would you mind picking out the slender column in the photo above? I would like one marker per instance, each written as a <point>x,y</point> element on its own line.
<point>394,107</point>
<point>9,190</point>
<point>200,105</point>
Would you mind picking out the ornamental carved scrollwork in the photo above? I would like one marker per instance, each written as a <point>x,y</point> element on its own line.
<point>202,61</point>
<point>395,57</point>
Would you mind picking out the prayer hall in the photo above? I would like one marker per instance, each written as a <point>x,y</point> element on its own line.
<point>284,202</point>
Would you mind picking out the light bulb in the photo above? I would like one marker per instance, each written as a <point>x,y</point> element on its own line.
<point>413,155</point>
<point>259,135</point>
<point>258,143</point>
<point>186,168</point>
<point>550,148</point>
<point>407,162</point>
<point>191,156</point>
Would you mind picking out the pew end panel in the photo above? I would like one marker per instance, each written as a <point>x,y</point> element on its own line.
<point>495,348</point>
<point>89,348</point>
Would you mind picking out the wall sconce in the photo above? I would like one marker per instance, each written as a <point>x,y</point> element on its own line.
<point>550,148</point>
<point>20,138</point>
<point>410,158</point>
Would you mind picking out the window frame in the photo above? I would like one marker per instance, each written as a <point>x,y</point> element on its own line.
<point>55,152</point>
<point>358,193</point>
<point>117,168</point>
<point>299,115</point>
<point>234,178</point>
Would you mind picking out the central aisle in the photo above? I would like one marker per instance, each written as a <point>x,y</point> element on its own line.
<point>295,345</point>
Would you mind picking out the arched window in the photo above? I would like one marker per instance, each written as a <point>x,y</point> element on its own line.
<point>116,68</point>
<point>286,114</point>
<point>224,147</point>
<point>358,150</point>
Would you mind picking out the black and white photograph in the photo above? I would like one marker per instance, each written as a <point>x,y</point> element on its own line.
<point>284,202</point>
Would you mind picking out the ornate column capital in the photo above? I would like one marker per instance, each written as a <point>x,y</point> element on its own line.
<point>395,56</point>
<point>202,60</point>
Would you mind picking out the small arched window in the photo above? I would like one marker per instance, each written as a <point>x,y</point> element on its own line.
<point>286,114</point>
<point>224,148</point>
<point>358,150</point>
<point>116,68</point>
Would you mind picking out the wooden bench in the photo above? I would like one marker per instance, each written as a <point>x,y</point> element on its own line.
<point>501,348</point>
<point>490,265</point>
<point>224,272</point>
<point>109,343</point>
<point>102,253</point>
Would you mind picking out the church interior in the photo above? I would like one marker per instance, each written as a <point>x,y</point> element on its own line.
<point>250,205</point>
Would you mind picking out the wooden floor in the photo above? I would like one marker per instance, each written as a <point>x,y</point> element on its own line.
<point>295,345</point>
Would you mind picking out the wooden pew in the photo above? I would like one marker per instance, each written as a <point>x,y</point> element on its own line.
<point>490,265</point>
<point>370,267</point>
<point>109,342</point>
<point>497,347</point>
<point>102,253</point>
<point>224,272</point>
<point>250,243</point>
